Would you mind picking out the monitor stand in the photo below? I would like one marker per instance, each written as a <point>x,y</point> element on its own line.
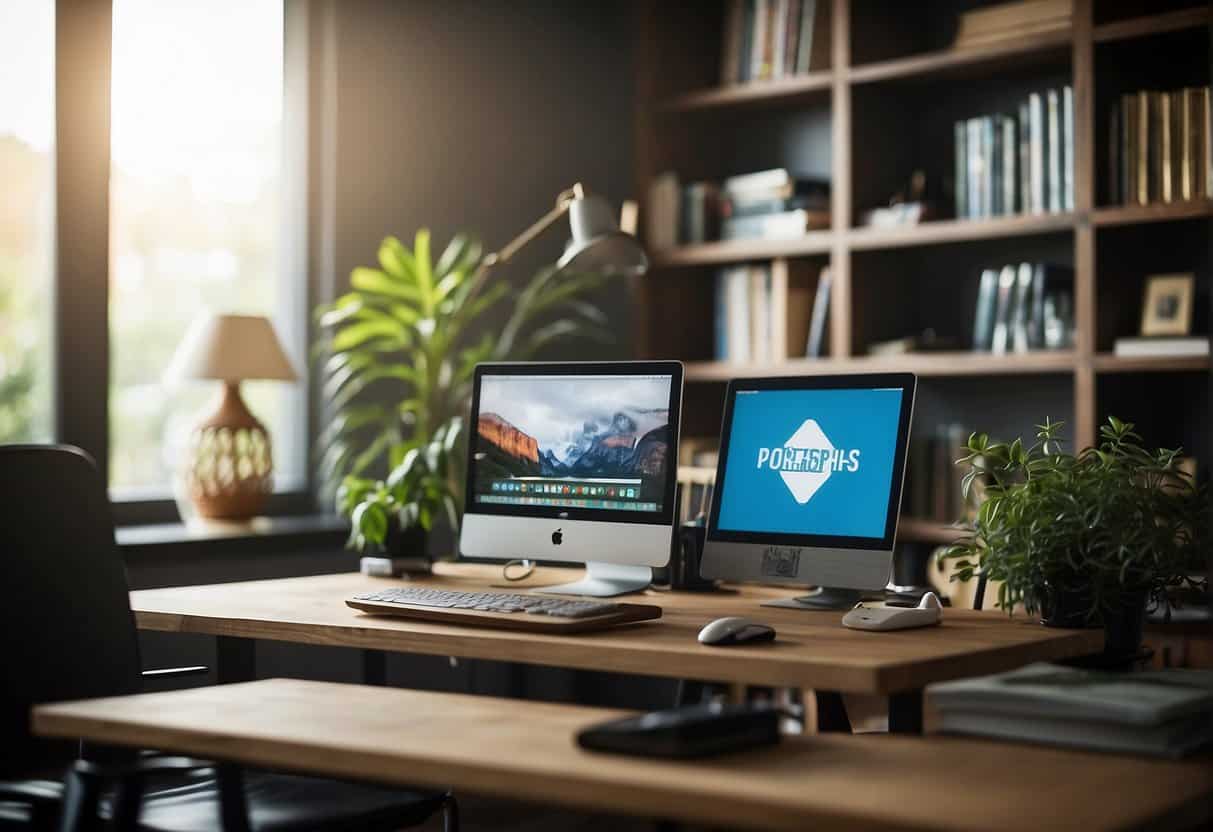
<point>603,580</point>
<point>822,598</point>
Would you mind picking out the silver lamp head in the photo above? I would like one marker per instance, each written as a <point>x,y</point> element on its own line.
<point>597,244</point>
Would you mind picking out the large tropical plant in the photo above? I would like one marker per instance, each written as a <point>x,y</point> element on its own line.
<point>1109,527</point>
<point>399,352</point>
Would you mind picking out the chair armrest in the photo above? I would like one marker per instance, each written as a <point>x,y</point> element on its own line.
<point>43,793</point>
<point>175,672</point>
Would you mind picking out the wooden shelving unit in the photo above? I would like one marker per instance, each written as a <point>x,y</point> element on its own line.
<point>891,78</point>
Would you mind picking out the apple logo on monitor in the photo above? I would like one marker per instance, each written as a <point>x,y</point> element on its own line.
<point>557,537</point>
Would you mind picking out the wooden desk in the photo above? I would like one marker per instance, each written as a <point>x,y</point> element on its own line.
<point>526,751</point>
<point>813,650</point>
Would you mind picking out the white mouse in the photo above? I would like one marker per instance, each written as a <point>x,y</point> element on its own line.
<point>735,630</point>
<point>927,612</point>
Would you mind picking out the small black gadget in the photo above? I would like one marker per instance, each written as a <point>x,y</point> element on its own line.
<point>691,731</point>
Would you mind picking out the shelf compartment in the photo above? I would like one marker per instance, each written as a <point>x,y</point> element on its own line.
<point>924,364</point>
<point>1152,24</point>
<point>951,231</point>
<point>783,91</point>
<point>1017,54</point>
<point>1109,363</point>
<point>739,251</point>
<point>1154,212</point>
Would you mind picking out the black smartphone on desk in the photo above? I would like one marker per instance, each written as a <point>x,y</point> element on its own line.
<point>688,732</point>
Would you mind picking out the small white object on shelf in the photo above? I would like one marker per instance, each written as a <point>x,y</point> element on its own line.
<point>1161,346</point>
<point>882,618</point>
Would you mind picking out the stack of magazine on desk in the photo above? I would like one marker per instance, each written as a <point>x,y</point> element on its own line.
<point>1165,713</point>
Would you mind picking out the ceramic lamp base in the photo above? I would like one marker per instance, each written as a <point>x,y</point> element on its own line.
<point>228,466</point>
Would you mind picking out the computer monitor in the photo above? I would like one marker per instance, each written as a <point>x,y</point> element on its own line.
<point>575,462</point>
<point>808,484</point>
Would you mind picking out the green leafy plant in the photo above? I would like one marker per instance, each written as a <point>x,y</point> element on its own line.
<point>1111,524</point>
<point>399,352</point>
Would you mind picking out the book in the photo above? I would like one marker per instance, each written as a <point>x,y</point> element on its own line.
<point>780,226</point>
<point>1204,145</point>
<point>662,218</point>
<point>1010,154</point>
<point>720,322</point>
<point>1053,151</point>
<point>1154,146</point>
<point>1067,148</point>
<point>1189,118</point>
<point>730,42</point>
<point>1141,148</point>
<point>815,345</point>
<point>792,38</point>
<point>791,300</point>
<point>995,165</point>
<point>699,212</point>
<point>738,316</point>
<point>1036,151</point>
<point>813,47</point>
<point>779,36</point>
<point>1161,346</point>
<point>760,314</point>
<point>758,40</point>
<point>974,163</point>
<point>983,320</point>
<point>745,63</point>
<point>776,183</point>
<point>960,170</point>
<point>988,156</point>
<point>1114,193</point>
<point>1025,158</point>
<point>1161,712</point>
<point>990,24</point>
<point>1004,311</point>
<point>1021,308</point>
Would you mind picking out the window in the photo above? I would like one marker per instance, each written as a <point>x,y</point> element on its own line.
<point>27,84</point>
<point>195,222</point>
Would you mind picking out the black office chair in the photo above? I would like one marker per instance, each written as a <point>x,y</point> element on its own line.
<point>67,632</point>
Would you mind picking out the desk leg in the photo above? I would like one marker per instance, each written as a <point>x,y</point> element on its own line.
<point>831,712</point>
<point>905,712</point>
<point>235,659</point>
<point>374,667</point>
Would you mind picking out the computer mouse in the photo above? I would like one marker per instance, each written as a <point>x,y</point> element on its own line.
<point>884,618</point>
<point>735,630</point>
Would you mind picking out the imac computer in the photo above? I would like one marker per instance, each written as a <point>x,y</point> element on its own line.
<point>575,462</point>
<point>808,484</point>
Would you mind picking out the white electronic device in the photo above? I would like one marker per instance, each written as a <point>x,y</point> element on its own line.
<point>927,612</point>
<point>575,462</point>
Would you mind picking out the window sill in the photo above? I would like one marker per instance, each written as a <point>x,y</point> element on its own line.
<point>263,536</point>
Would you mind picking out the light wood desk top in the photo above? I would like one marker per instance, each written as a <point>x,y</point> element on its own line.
<point>526,751</point>
<point>812,650</point>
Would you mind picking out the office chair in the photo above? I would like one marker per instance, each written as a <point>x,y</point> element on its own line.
<point>67,632</point>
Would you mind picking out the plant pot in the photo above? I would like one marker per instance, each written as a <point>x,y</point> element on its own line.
<point>1068,605</point>
<point>408,550</point>
<point>1123,625</point>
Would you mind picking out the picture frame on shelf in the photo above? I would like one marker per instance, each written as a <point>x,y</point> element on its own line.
<point>1167,304</point>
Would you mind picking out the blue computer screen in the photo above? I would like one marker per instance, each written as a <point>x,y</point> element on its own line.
<point>810,462</point>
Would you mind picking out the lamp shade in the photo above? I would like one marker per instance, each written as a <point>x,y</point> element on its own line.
<point>598,245</point>
<point>230,348</point>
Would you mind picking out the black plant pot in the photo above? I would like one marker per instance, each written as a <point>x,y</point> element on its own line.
<point>1123,621</point>
<point>408,549</point>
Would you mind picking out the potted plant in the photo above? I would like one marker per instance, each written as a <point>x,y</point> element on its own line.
<point>399,351</point>
<point>1088,539</point>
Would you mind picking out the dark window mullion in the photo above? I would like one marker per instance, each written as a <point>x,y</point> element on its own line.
<point>82,168</point>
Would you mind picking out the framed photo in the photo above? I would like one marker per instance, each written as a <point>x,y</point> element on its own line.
<point>1167,308</point>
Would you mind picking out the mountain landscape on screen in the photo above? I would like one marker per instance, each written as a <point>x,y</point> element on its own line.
<point>628,443</point>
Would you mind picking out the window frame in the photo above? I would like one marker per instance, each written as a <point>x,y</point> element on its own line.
<point>80,309</point>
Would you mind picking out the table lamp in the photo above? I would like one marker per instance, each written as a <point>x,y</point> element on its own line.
<point>597,243</point>
<point>228,467</point>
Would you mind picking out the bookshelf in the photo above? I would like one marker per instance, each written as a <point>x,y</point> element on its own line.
<point>884,104</point>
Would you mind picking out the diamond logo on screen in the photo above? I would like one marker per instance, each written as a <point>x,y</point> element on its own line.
<point>807,460</point>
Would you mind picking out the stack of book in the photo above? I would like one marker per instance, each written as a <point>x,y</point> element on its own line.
<point>1029,306</point>
<point>1162,346</point>
<point>933,479</point>
<point>991,25</point>
<point>1017,164</point>
<point>1165,713</point>
<point>769,312</point>
<point>769,39</point>
<point>1160,148</point>
<point>772,204</point>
